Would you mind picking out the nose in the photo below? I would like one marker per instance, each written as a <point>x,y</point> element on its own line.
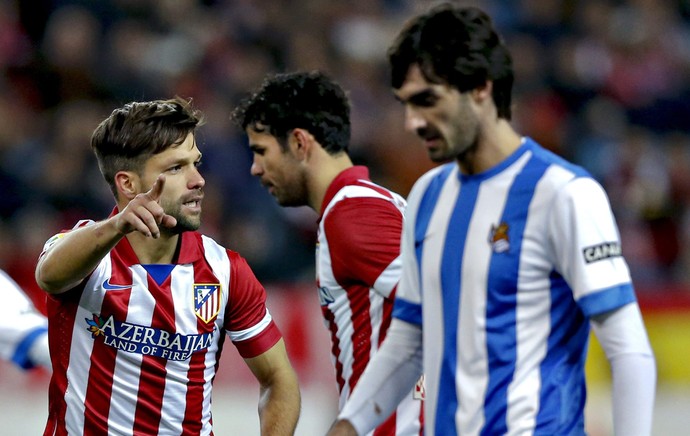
<point>256,169</point>
<point>197,180</point>
<point>413,120</point>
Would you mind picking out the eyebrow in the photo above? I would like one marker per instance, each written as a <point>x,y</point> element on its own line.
<point>183,160</point>
<point>418,97</point>
<point>422,97</point>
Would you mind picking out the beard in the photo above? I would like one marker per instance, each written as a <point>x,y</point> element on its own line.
<point>185,223</point>
<point>293,199</point>
<point>459,144</point>
<point>292,192</point>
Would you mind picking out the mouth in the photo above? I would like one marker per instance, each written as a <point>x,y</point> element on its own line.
<point>431,142</point>
<point>429,136</point>
<point>194,203</point>
<point>269,187</point>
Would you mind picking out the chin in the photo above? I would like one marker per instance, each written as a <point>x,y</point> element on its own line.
<point>186,226</point>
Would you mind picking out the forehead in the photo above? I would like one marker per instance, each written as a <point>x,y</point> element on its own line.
<point>414,83</point>
<point>264,138</point>
<point>185,150</point>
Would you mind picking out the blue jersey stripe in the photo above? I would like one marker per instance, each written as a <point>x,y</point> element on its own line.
<point>426,208</point>
<point>424,212</point>
<point>562,395</point>
<point>607,299</point>
<point>501,339</point>
<point>451,267</point>
<point>407,311</point>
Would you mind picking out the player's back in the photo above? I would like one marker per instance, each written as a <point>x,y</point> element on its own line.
<point>358,268</point>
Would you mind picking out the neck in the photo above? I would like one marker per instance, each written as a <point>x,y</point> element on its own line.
<point>494,145</point>
<point>325,171</point>
<point>154,251</point>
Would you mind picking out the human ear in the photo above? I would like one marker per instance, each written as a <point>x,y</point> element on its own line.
<point>127,184</point>
<point>300,142</point>
<point>483,92</point>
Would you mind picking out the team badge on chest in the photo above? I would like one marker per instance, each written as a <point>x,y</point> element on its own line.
<point>207,301</point>
<point>498,238</point>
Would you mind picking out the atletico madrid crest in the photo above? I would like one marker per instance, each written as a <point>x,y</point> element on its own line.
<point>207,301</point>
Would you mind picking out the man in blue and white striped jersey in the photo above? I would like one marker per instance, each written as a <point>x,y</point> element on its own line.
<point>510,255</point>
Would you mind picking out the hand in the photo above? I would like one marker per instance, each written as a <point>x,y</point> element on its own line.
<point>144,214</point>
<point>342,428</point>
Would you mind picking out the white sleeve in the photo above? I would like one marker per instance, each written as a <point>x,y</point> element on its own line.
<point>39,353</point>
<point>586,244</point>
<point>390,375</point>
<point>23,330</point>
<point>624,339</point>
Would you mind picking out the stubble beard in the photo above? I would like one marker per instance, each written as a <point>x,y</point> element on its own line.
<point>467,151</point>
<point>293,196</point>
<point>292,200</point>
<point>185,223</point>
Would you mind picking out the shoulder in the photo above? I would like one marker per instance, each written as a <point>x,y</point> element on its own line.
<point>558,168</point>
<point>213,250</point>
<point>430,184</point>
<point>564,178</point>
<point>434,176</point>
<point>364,195</point>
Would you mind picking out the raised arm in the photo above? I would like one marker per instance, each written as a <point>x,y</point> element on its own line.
<point>77,253</point>
<point>279,399</point>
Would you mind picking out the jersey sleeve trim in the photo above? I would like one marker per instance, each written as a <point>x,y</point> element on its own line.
<point>243,335</point>
<point>21,353</point>
<point>257,339</point>
<point>607,299</point>
<point>260,343</point>
<point>407,311</point>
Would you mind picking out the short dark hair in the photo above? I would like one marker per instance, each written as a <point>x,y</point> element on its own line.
<point>457,46</point>
<point>308,100</point>
<point>139,130</point>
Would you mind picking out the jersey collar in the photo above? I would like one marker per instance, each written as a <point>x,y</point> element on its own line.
<point>346,177</point>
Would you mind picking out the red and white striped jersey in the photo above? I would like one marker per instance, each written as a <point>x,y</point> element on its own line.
<point>357,271</point>
<point>135,348</point>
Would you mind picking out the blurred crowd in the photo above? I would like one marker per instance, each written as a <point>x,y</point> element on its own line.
<point>605,83</point>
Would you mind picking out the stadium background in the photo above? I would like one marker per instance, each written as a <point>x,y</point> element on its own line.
<point>605,83</point>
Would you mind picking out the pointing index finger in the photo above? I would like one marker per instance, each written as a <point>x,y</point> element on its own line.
<point>157,188</point>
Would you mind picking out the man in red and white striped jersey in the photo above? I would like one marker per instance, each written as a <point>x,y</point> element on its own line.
<point>140,302</point>
<point>299,131</point>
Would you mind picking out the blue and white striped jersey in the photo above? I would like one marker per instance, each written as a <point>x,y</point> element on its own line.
<point>502,269</point>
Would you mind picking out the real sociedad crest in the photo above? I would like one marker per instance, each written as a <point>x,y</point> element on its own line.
<point>207,301</point>
<point>498,238</point>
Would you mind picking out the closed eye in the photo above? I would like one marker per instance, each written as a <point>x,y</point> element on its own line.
<point>423,99</point>
<point>257,150</point>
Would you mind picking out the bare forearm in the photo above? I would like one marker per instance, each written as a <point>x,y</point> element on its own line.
<point>279,407</point>
<point>77,254</point>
